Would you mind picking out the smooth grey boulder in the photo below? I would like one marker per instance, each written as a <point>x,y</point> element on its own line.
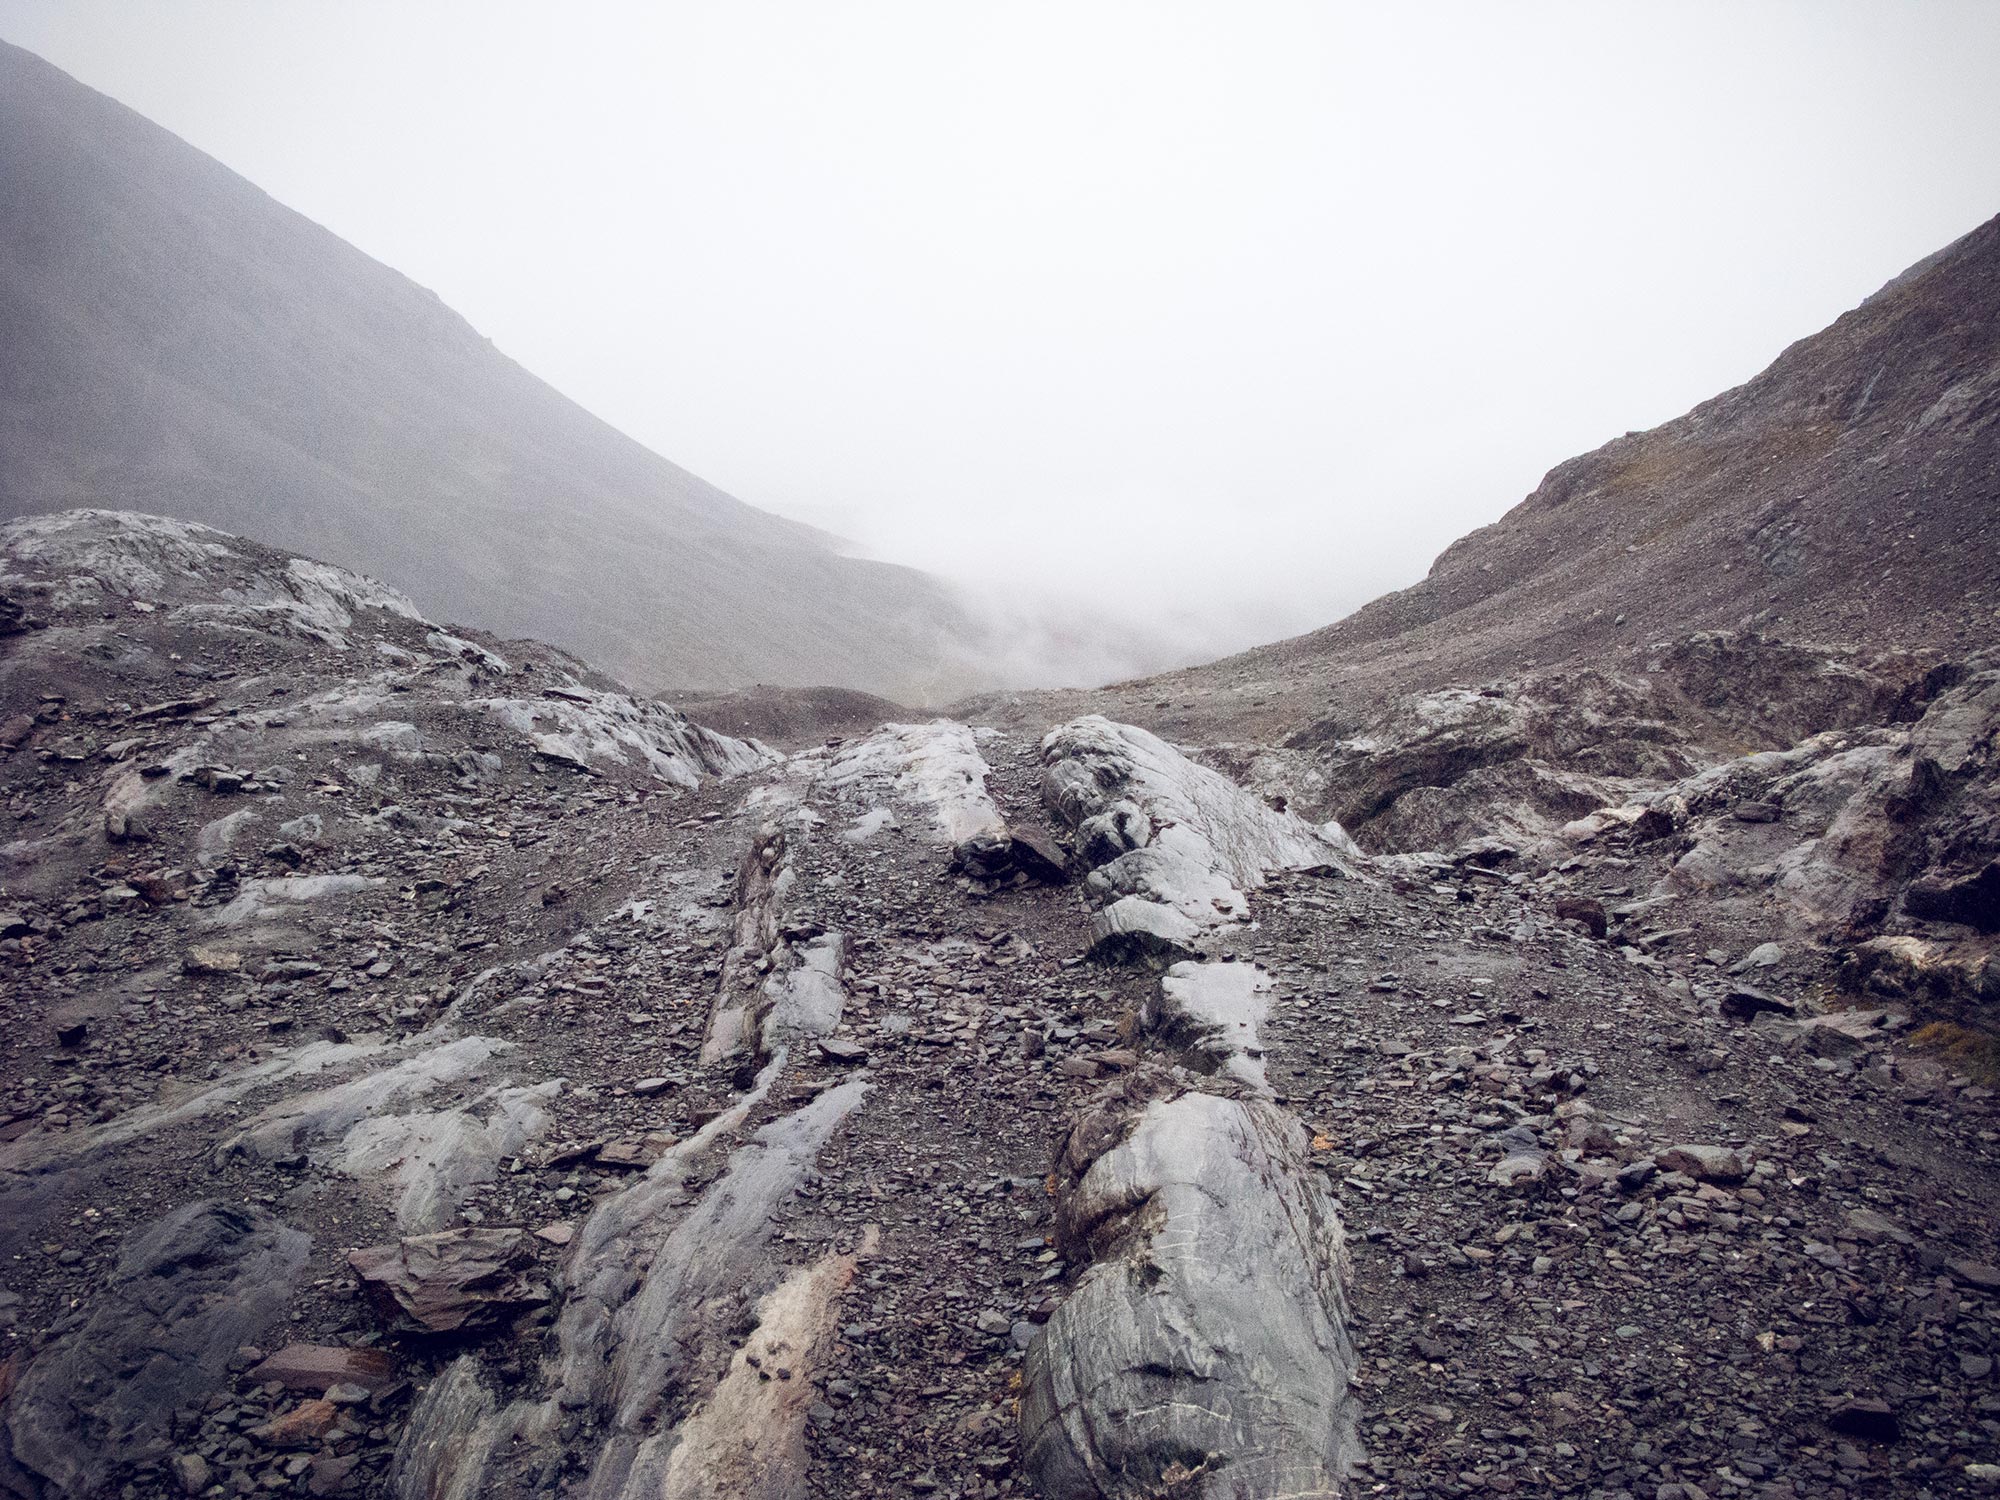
<point>187,1293</point>
<point>1171,847</point>
<point>1135,930</point>
<point>1204,1352</point>
<point>1210,1013</point>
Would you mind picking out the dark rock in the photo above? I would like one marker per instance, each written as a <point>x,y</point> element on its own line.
<point>1972,899</point>
<point>1756,812</point>
<point>451,1281</point>
<point>1976,1273</point>
<point>1586,912</point>
<point>187,1293</point>
<point>1743,1002</point>
<point>1866,1417</point>
<point>1010,856</point>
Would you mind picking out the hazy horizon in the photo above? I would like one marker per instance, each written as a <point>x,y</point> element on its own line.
<point>1219,322</point>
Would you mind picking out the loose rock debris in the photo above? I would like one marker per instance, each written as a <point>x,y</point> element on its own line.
<point>667,1117</point>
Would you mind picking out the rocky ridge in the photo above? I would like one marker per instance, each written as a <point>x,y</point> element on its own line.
<point>432,1071</point>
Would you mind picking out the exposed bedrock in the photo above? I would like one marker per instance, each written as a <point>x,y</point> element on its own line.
<point>670,1294</point>
<point>1204,1351</point>
<point>1171,847</point>
<point>934,771</point>
<point>1209,1014</point>
<point>188,1292</point>
<point>763,879</point>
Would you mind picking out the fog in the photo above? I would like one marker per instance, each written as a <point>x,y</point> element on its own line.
<point>1216,319</point>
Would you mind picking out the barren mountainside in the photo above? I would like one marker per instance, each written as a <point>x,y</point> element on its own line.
<point>1848,496</point>
<point>1537,1037</point>
<point>427,1070</point>
<point>177,342</point>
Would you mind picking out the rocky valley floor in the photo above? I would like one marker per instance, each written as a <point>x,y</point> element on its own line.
<point>430,1072</point>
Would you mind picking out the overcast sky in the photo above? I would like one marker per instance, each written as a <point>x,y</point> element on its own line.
<point>1231,315</point>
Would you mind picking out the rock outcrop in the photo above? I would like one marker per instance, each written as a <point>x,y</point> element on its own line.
<point>1171,846</point>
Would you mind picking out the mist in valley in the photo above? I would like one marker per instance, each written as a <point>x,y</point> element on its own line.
<point>1156,332</point>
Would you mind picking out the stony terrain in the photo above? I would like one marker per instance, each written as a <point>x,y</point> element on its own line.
<point>431,1072</point>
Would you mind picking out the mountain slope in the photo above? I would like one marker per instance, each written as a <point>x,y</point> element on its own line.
<point>178,342</point>
<point>1848,494</point>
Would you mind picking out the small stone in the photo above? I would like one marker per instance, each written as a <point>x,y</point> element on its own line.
<point>301,1427</point>
<point>646,1087</point>
<point>839,1049</point>
<point>1518,1170</point>
<point>1584,911</point>
<point>1763,956</point>
<point>191,1473</point>
<point>1706,1163</point>
<point>1976,1273</point>
<point>1867,1417</point>
<point>332,1474</point>
<point>1872,1228</point>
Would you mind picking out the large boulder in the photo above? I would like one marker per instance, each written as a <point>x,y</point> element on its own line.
<point>1154,827</point>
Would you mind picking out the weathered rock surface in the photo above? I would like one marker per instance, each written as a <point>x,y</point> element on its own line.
<point>1204,1350</point>
<point>1153,827</point>
<point>1208,1014</point>
<point>188,1293</point>
<point>452,1281</point>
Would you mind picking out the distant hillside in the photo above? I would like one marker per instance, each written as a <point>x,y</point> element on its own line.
<point>1847,497</point>
<point>177,342</point>
<point>1850,493</point>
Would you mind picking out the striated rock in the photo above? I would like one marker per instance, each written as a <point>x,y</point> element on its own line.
<point>747,1441</point>
<point>932,769</point>
<point>1151,823</point>
<point>1209,1014</point>
<point>1135,930</point>
<point>448,1439</point>
<point>1204,1350</point>
<point>188,1292</point>
<point>582,727</point>
<point>808,999</point>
